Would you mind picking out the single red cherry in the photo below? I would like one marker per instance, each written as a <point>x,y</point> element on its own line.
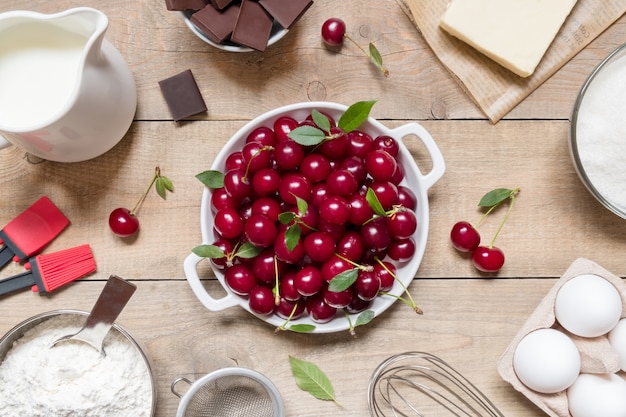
<point>282,126</point>
<point>464,236</point>
<point>319,310</point>
<point>401,250</point>
<point>123,223</point>
<point>261,300</point>
<point>333,31</point>
<point>240,279</point>
<point>488,259</point>
<point>289,309</point>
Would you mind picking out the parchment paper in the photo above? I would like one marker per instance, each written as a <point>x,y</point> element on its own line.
<point>493,88</point>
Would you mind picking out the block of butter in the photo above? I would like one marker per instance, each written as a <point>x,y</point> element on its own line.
<point>514,33</point>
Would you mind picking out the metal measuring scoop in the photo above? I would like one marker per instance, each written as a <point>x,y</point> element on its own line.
<point>108,307</point>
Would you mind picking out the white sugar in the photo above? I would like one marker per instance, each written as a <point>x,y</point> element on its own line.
<point>601,132</point>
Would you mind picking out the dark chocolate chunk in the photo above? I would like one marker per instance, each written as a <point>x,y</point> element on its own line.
<point>221,4</point>
<point>182,5</point>
<point>182,95</point>
<point>286,12</point>
<point>253,26</point>
<point>216,25</point>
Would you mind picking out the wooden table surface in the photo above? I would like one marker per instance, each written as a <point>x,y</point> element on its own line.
<point>469,319</point>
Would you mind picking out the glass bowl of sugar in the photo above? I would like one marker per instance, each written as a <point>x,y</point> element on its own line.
<point>598,132</point>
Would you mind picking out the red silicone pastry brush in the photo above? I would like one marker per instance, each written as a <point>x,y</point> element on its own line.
<point>27,234</point>
<point>51,271</point>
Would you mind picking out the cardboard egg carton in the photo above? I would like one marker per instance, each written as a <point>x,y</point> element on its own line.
<point>597,355</point>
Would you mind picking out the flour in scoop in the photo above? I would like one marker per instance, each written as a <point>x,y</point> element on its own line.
<point>601,132</point>
<point>72,379</point>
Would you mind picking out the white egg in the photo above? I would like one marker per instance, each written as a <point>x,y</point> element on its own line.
<point>617,338</point>
<point>546,361</point>
<point>595,395</point>
<point>588,305</point>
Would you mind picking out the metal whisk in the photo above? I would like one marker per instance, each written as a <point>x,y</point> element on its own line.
<point>421,384</point>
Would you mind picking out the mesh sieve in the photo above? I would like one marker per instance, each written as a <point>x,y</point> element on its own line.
<point>230,392</point>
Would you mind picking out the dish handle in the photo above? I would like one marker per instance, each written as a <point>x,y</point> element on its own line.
<point>214,304</point>
<point>439,166</point>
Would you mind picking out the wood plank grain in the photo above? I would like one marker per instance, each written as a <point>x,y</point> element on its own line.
<point>555,219</point>
<point>157,44</point>
<point>469,330</point>
<point>469,318</point>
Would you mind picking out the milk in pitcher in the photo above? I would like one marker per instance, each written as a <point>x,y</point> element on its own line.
<point>39,70</point>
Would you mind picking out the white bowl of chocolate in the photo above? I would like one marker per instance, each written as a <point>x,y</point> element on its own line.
<point>240,25</point>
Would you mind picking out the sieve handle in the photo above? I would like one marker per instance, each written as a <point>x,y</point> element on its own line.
<point>214,304</point>
<point>175,383</point>
<point>438,167</point>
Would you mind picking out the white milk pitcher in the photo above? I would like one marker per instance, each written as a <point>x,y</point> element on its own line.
<point>66,93</point>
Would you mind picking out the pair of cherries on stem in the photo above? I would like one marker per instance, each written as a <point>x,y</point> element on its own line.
<point>465,237</point>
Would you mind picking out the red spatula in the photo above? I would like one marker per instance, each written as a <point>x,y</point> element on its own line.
<point>28,233</point>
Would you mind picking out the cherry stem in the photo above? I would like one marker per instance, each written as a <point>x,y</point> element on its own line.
<point>506,216</point>
<point>276,285</point>
<point>410,302</point>
<point>157,174</point>
<point>366,268</point>
<point>245,174</point>
<point>351,326</point>
<point>284,325</point>
<point>379,66</point>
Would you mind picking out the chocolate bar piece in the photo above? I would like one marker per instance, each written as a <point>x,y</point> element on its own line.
<point>182,95</point>
<point>286,12</point>
<point>216,25</point>
<point>182,5</point>
<point>253,26</point>
<point>221,4</point>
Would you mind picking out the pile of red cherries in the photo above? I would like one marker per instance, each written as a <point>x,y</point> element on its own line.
<point>307,210</point>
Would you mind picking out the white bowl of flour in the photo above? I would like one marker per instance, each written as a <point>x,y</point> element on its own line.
<point>72,379</point>
<point>598,132</point>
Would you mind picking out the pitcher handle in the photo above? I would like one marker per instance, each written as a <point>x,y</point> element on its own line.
<point>4,143</point>
<point>214,304</point>
<point>439,166</point>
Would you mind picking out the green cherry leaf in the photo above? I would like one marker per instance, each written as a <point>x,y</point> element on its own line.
<point>302,205</point>
<point>364,318</point>
<point>320,120</point>
<point>248,251</point>
<point>355,115</point>
<point>372,200</point>
<point>343,280</point>
<point>163,185</point>
<point>375,55</point>
<point>302,328</point>
<point>312,379</point>
<point>292,236</point>
<point>211,178</point>
<point>495,197</point>
<point>286,217</point>
<point>160,188</point>
<point>167,183</point>
<point>209,251</point>
<point>307,135</point>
